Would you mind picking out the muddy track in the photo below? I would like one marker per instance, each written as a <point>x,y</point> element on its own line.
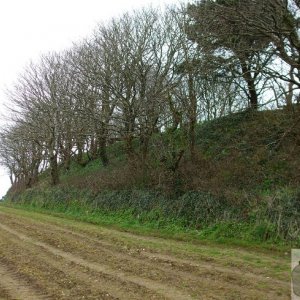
<point>12,286</point>
<point>50,259</point>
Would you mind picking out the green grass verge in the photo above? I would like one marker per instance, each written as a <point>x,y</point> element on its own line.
<point>229,234</point>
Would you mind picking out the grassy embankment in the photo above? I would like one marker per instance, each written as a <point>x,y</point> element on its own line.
<point>242,187</point>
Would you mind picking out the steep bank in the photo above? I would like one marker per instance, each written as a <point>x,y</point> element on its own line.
<point>243,182</point>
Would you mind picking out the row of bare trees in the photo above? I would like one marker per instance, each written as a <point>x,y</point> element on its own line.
<point>150,73</point>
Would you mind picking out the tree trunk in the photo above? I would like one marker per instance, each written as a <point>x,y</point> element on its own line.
<point>11,178</point>
<point>192,117</point>
<point>252,94</point>
<point>290,91</point>
<point>28,181</point>
<point>129,147</point>
<point>93,148</point>
<point>36,171</point>
<point>129,133</point>
<point>176,115</point>
<point>54,169</point>
<point>144,142</point>
<point>103,151</point>
<point>80,150</point>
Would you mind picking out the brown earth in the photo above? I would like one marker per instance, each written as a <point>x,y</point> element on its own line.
<point>47,257</point>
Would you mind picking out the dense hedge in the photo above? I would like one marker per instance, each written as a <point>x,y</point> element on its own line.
<point>275,217</point>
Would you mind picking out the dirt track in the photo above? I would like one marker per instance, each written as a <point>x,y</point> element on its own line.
<point>46,257</point>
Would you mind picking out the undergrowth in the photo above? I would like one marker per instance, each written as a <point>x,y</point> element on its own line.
<point>200,215</point>
<point>242,184</point>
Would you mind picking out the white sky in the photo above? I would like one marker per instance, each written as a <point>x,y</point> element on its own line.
<point>29,28</point>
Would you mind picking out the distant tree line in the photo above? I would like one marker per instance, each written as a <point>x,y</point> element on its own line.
<point>148,73</point>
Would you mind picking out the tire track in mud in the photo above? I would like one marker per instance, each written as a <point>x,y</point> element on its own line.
<point>74,281</point>
<point>210,268</point>
<point>12,287</point>
<point>168,292</point>
<point>190,271</point>
<point>211,280</point>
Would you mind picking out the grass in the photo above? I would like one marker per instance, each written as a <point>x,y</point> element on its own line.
<point>166,228</point>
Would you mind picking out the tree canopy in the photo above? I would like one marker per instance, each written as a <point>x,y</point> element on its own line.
<point>147,75</point>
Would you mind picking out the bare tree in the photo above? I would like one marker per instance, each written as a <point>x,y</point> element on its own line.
<point>20,155</point>
<point>93,77</point>
<point>141,49</point>
<point>39,101</point>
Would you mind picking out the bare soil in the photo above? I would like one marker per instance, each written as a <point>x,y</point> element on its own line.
<point>47,257</point>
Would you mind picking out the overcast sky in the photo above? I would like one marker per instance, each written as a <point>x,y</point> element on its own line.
<point>29,28</point>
